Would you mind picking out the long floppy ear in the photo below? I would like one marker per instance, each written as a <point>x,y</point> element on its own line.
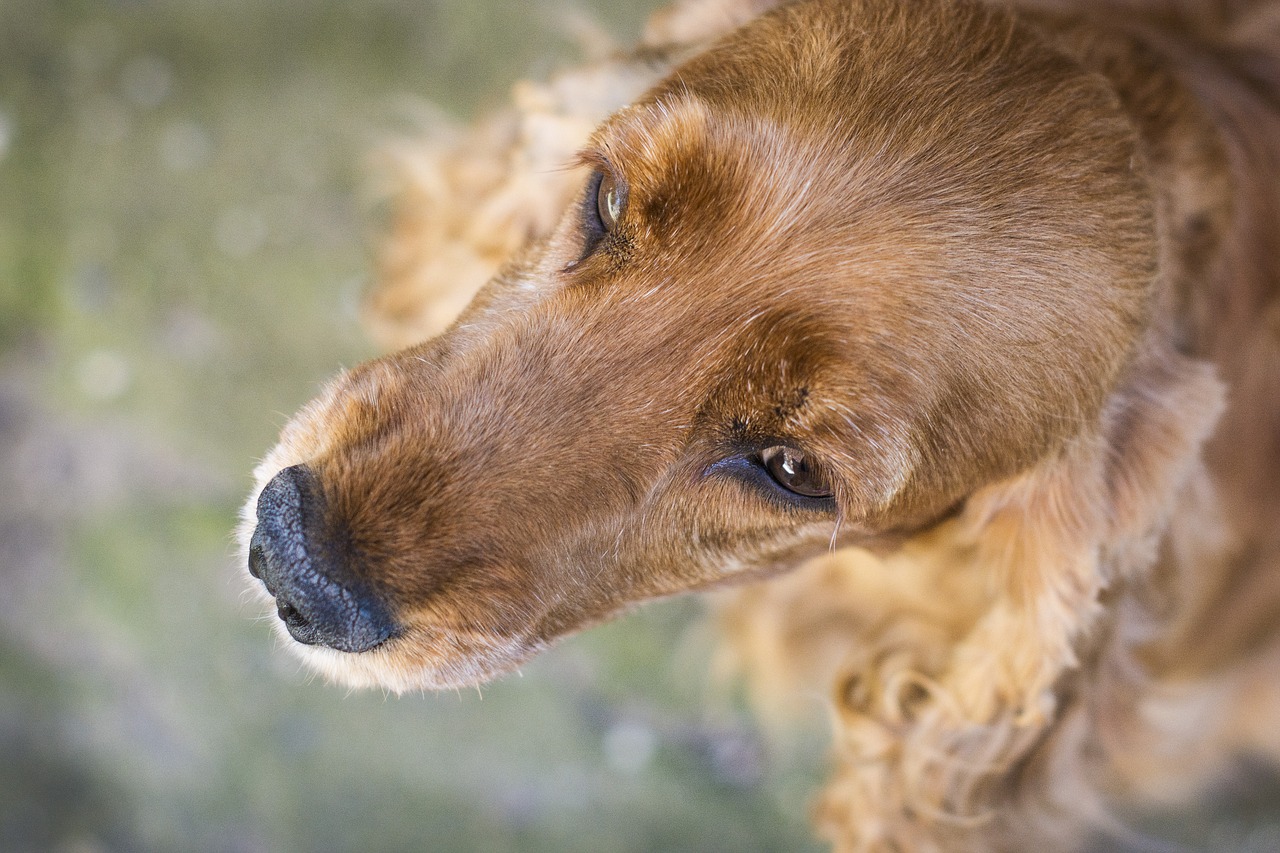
<point>953,646</point>
<point>1051,539</point>
<point>1043,545</point>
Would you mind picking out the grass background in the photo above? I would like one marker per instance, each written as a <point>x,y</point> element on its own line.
<point>182,253</point>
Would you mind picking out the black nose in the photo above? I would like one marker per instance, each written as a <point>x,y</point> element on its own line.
<point>306,568</point>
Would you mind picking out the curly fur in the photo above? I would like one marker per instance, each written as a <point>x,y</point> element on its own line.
<point>1056,581</point>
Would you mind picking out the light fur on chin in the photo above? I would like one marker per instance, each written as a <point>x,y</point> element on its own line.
<point>382,668</point>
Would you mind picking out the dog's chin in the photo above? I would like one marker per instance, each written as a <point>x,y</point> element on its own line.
<point>384,670</point>
<point>401,666</point>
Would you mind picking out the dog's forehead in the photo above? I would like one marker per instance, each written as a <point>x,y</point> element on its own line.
<point>760,110</point>
<point>716,185</point>
<point>854,142</point>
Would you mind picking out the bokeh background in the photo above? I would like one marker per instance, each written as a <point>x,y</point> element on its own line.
<point>183,247</point>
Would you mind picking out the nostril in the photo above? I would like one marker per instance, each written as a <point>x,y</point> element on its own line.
<point>291,616</point>
<point>256,559</point>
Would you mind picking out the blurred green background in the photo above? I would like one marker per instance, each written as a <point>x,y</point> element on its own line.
<point>182,254</point>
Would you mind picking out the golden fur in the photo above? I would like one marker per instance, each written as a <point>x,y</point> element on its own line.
<point>1010,277</point>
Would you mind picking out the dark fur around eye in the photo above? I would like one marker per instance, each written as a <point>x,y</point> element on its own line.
<point>594,225</point>
<point>752,470</point>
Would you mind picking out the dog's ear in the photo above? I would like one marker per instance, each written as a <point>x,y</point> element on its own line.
<point>1043,545</point>
<point>951,647</point>
<point>1049,541</point>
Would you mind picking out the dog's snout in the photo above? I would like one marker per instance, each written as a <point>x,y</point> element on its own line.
<point>306,570</point>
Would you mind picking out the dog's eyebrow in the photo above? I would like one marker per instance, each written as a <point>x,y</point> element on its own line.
<point>594,158</point>
<point>634,133</point>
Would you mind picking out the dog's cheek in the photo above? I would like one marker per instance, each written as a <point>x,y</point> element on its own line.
<point>721,532</point>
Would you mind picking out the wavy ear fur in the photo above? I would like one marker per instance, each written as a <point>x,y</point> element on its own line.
<point>950,655</point>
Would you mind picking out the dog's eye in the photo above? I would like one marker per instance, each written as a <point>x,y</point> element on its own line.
<point>608,201</point>
<point>602,207</point>
<point>790,469</point>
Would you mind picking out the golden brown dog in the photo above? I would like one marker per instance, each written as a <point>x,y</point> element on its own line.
<point>946,332</point>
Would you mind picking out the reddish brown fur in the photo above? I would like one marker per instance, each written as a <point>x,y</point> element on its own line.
<point>994,272</point>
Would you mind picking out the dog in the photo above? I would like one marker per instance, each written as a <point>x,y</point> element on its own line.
<point>942,335</point>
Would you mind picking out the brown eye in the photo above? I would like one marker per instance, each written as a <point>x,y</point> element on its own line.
<point>608,201</point>
<point>790,469</point>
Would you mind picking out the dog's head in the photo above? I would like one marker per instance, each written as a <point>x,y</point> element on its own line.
<point>847,266</point>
